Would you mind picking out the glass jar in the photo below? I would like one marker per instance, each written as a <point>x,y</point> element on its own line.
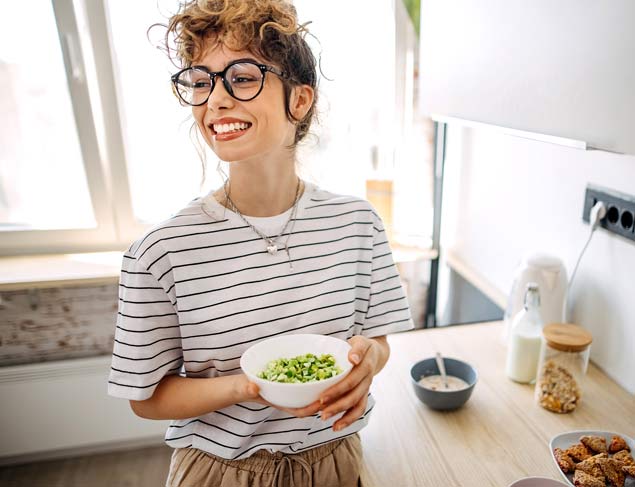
<point>564,358</point>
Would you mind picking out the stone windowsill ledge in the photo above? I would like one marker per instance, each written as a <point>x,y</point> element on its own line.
<point>98,268</point>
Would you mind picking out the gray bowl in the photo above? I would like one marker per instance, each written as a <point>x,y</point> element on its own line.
<point>443,400</point>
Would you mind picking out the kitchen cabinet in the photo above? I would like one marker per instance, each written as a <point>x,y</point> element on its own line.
<point>564,69</point>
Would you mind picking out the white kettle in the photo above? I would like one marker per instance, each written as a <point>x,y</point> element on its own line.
<point>551,276</point>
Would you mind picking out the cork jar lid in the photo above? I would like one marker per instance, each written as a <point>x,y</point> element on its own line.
<point>567,337</point>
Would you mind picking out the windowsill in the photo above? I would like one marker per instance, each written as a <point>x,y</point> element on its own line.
<point>97,268</point>
<point>474,277</point>
<point>46,271</point>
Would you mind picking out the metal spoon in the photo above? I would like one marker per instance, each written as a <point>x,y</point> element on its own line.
<point>441,365</point>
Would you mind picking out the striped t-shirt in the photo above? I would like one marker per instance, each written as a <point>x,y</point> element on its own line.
<point>200,288</point>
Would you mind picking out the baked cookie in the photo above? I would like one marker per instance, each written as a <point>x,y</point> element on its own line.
<point>618,444</point>
<point>595,443</point>
<point>583,479</point>
<point>578,452</point>
<point>592,466</point>
<point>625,457</point>
<point>612,470</point>
<point>564,461</point>
<point>629,470</point>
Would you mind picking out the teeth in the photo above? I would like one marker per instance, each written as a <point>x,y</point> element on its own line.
<point>230,127</point>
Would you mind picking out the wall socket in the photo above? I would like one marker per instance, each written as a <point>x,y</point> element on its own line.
<point>620,210</point>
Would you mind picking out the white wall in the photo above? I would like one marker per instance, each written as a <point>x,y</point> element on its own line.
<point>504,196</point>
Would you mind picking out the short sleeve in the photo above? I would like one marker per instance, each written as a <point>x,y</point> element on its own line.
<point>147,343</point>
<point>388,309</point>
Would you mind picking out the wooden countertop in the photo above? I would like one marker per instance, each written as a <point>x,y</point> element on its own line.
<point>497,437</point>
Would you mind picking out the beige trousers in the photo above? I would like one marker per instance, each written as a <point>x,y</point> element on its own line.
<point>335,464</point>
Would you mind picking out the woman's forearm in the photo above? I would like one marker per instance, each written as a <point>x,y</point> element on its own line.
<point>383,353</point>
<point>184,397</point>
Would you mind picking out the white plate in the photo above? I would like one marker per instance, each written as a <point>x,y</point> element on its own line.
<point>565,440</point>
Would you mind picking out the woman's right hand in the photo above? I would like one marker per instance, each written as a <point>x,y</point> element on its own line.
<point>252,393</point>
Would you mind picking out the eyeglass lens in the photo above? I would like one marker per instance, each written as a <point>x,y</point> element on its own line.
<point>242,80</point>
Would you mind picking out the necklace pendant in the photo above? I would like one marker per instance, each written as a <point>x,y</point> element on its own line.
<point>272,249</point>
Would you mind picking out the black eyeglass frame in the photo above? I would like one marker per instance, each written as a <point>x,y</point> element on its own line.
<point>264,68</point>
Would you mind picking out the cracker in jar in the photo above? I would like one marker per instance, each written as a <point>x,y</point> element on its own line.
<point>557,390</point>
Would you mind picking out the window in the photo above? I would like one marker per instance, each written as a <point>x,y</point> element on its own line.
<point>40,154</point>
<point>163,165</point>
<point>91,157</point>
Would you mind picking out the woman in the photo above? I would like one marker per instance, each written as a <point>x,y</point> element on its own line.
<point>265,254</point>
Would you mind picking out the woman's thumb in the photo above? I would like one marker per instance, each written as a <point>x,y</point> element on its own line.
<point>355,354</point>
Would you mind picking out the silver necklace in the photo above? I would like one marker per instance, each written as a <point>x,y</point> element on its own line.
<point>273,245</point>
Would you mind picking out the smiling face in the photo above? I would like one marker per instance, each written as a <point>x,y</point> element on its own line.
<point>245,130</point>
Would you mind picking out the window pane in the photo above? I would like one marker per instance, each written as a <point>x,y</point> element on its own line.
<point>42,179</point>
<point>163,166</point>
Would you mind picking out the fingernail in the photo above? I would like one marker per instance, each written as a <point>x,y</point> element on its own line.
<point>324,399</point>
<point>355,358</point>
<point>325,416</point>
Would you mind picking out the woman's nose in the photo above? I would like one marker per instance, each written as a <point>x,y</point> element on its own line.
<point>219,97</point>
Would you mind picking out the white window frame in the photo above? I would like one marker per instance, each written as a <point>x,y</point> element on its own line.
<point>90,77</point>
<point>84,35</point>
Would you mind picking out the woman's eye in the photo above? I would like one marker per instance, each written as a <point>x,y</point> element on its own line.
<point>243,79</point>
<point>201,84</point>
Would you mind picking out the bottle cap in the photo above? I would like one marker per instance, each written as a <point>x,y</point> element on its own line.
<point>567,337</point>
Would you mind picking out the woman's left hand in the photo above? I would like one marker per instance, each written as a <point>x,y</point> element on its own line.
<point>368,356</point>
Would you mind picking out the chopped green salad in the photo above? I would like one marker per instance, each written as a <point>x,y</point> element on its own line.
<point>303,368</point>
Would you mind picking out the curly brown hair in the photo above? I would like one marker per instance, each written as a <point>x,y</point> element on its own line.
<point>267,28</point>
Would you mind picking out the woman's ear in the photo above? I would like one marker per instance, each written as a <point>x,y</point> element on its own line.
<point>301,101</point>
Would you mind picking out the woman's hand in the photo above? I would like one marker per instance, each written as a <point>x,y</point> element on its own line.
<point>368,356</point>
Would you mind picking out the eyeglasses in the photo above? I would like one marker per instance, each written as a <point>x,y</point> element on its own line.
<point>243,79</point>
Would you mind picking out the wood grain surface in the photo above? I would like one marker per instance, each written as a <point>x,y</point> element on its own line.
<point>497,437</point>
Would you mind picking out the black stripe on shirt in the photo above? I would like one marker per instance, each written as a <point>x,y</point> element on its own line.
<point>400,298</point>
<point>202,437</point>
<point>176,226</point>
<point>146,316</point>
<point>259,281</point>
<point>270,292</point>
<point>146,358</point>
<point>261,337</point>
<point>326,293</point>
<point>163,239</point>
<point>386,324</point>
<point>336,204</point>
<point>150,371</point>
<point>296,232</point>
<point>213,261</point>
<point>387,312</point>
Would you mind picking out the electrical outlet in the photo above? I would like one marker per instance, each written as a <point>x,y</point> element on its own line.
<point>620,210</point>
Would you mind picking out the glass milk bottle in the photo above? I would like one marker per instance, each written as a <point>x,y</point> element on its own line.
<point>523,349</point>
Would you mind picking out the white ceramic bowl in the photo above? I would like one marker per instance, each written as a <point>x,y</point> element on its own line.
<point>537,482</point>
<point>255,359</point>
